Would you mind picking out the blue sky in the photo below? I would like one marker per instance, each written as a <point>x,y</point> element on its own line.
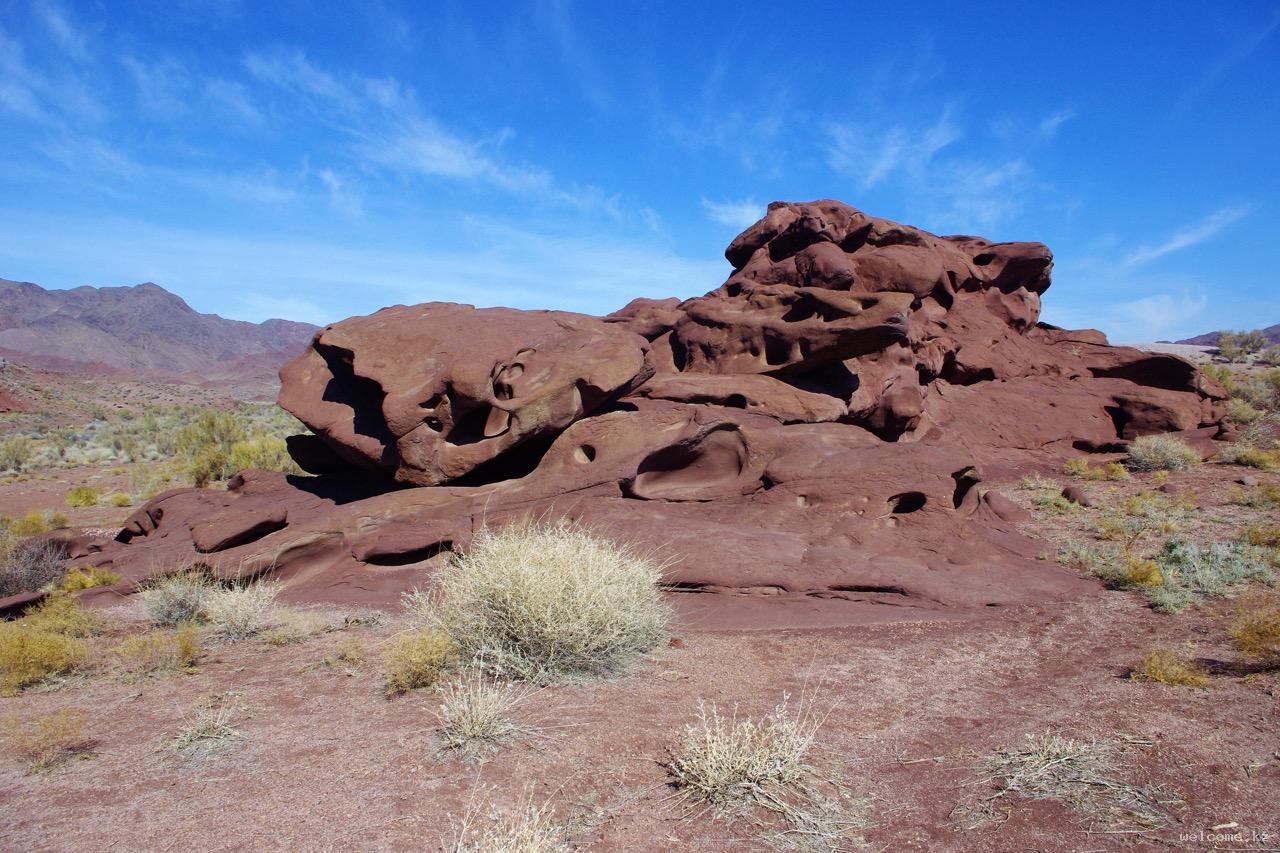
<point>315,160</point>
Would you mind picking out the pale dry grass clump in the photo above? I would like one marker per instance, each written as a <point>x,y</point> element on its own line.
<point>159,650</point>
<point>547,602</point>
<point>528,828</point>
<point>1166,666</point>
<point>476,716</point>
<point>730,761</point>
<point>27,566</point>
<point>49,739</point>
<point>1077,773</point>
<point>207,729</point>
<point>293,626</point>
<point>89,577</point>
<point>1161,453</point>
<point>239,612</point>
<point>178,597</point>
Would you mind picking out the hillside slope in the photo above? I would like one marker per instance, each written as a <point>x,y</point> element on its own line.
<point>143,327</point>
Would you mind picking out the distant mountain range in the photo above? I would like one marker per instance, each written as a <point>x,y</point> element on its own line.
<point>143,328</point>
<point>1210,339</point>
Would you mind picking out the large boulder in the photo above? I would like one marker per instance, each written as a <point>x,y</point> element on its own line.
<point>805,445</point>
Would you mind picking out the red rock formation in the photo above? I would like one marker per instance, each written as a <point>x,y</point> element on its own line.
<point>804,445</point>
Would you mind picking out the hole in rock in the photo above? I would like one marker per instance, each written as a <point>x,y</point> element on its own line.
<point>407,558</point>
<point>776,351</point>
<point>907,502</point>
<point>1119,419</point>
<point>799,311</point>
<point>362,395</point>
<point>869,588</point>
<point>733,289</point>
<point>966,479</point>
<point>736,401</point>
<point>983,259</point>
<point>690,469</point>
<point>514,463</point>
<point>584,454</point>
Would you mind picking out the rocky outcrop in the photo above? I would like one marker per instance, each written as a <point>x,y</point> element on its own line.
<point>805,445</point>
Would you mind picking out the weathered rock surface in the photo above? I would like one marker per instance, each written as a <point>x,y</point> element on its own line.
<point>805,445</point>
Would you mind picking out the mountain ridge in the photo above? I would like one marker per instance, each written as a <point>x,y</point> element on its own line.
<point>141,327</point>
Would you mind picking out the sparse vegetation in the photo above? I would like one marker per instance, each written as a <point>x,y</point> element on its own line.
<point>527,829</point>
<point>82,496</point>
<point>89,577</point>
<point>728,761</point>
<point>1166,666</point>
<point>292,626</point>
<point>1241,453</point>
<point>1193,572</point>
<point>160,650</point>
<point>46,642</point>
<point>1078,466</point>
<point>546,602</point>
<point>217,444</point>
<point>476,716</point>
<point>207,729</point>
<point>418,659</point>
<point>1261,496</point>
<point>1073,772</point>
<point>1161,453</point>
<point>1242,412</point>
<point>28,566</point>
<point>46,740</point>
<point>120,499</point>
<point>346,656</point>
<point>1255,629</point>
<point>239,612</point>
<point>179,597</point>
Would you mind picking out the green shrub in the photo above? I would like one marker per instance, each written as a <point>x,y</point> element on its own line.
<point>120,499</point>
<point>82,496</point>
<point>1239,453</point>
<point>1193,572</point>
<point>1241,412</point>
<point>31,524</point>
<point>547,602</point>
<point>1161,453</point>
<point>15,453</point>
<point>89,578</point>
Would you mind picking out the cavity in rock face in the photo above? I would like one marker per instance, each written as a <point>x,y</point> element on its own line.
<point>808,444</point>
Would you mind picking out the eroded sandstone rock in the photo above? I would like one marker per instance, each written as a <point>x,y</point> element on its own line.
<point>802,446</point>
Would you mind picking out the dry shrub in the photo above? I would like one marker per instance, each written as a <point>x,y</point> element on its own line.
<point>475,716</point>
<point>547,602</point>
<point>239,612</point>
<point>1161,453</point>
<point>418,659</point>
<point>1192,572</point>
<point>31,524</point>
<point>1078,466</point>
<point>1250,456</point>
<point>526,829</point>
<point>1255,629</point>
<point>207,729</point>
<point>30,565</point>
<point>44,741</point>
<point>82,496</point>
<point>1075,773</point>
<point>292,626</point>
<point>89,577</point>
<point>1165,666</point>
<point>178,597</point>
<point>61,613</point>
<point>346,656</point>
<point>159,650</point>
<point>1261,496</point>
<point>1241,412</point>
<point>120,499</point>
<point>1262,535</point>
<point>732,762</point>
<point>30,655</point>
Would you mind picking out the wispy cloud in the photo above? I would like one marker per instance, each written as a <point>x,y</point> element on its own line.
<point>738,214</point>
<point>872,155</point>
<point>1226,63</point>
<point>68,36</point>
<point>1049,125</point>
<point>1190,235</point>
<point>386,127</point>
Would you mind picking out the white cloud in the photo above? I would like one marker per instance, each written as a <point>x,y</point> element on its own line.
<point>161,86</point>
<point>1190,235</point>
<point>233,97</point>
<point>871,155</point>
<point>1157,317</point>
<point>738,214</point>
